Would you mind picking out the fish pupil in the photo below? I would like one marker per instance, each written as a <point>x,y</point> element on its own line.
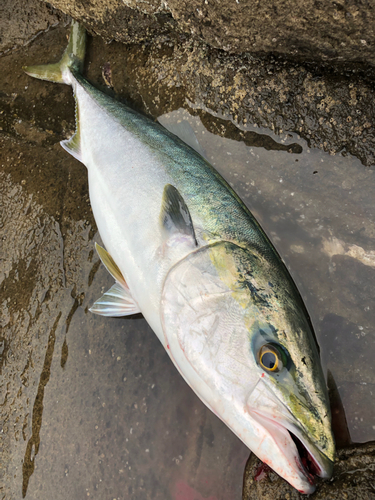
<point>268,360</point>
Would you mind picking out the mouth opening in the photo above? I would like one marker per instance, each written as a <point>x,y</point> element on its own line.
<point>306,462</point>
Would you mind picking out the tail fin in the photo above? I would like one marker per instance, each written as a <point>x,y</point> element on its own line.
<point>73,57</point>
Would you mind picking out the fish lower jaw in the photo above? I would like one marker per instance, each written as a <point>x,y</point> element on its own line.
<point>301,461</point>
<point>305,461</point>
<point>311,465</point>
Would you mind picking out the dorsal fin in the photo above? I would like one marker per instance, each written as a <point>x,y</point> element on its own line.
<point>175,216</point>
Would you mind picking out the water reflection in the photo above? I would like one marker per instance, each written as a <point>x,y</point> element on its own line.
<point>318,210</point>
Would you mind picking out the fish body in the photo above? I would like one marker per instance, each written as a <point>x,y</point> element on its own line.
<point>187,253</point>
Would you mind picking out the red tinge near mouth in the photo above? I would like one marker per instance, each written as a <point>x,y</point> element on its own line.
<point>306,463</point>
<point>261,471</point>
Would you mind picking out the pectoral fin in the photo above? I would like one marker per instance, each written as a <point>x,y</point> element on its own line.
<point>116,302</point>
<point>175,216</point>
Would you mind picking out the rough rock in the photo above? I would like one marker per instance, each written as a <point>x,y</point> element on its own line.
<point>114,20</point>
<point>353,479</point>
<point>331,111</point>
<point>22,20</point>
<point>341,31</point>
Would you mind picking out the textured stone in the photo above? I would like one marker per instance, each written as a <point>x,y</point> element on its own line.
<point>340,32</point>
<point>302,29</point>
<point>353,479</point>
<point>22,20</point>
<point>116,20</point>
<point>333,112</point>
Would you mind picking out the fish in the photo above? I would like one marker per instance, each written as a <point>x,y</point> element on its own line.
<point>187,253</point>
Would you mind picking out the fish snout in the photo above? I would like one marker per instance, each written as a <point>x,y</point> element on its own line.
<point>291,437</point>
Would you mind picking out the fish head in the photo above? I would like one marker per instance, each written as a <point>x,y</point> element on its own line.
<point>238,332</point>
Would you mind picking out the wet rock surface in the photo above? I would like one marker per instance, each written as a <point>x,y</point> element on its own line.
<point>22,20</point>
<point>122,21</point>
<point>332,111</point>
<point>304,30</point>
<point>353,479</point>
<point>79,394</point>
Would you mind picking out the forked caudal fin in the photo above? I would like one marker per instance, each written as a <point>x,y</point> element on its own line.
<point>60,73</point>
<point>72,58</point>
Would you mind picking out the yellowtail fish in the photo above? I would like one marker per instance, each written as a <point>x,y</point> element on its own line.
<point>186,252</point>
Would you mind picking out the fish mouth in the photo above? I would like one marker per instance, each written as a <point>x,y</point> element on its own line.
<point>307,461</point>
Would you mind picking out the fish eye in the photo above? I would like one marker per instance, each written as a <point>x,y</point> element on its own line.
<point>271,358</point>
